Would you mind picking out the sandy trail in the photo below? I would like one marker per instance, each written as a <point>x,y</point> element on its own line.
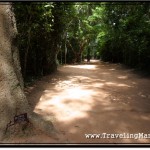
<point>92,98</point>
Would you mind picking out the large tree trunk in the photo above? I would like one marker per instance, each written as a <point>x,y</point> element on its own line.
<point>12,99</point>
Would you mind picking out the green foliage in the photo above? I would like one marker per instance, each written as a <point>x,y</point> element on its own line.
<point>126,35</point>
<point>52,33</point>
<point>40,27</point>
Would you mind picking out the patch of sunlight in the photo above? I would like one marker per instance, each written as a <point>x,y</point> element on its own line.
<point>84,66</point>
<point>116,84</point>
<point>77,78</point>
<point>68,82</point>
<point>112,69</point>
<point>123,85</point>
<point>47,91</point>
<point>122,77</point>
<point>98,84</point>
<point>78,93</point>
<point>65,82</point>
<point>69,104</point>
<point>110,83</point>
<point>74,82</point>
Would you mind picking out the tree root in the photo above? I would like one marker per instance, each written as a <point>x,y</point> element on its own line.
<point>24,129</point>
<point>45,126</point>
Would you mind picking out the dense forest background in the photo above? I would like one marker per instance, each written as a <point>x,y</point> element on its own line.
<point>54,33</point>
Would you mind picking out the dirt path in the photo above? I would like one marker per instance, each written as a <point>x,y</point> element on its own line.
<point>92,98</point>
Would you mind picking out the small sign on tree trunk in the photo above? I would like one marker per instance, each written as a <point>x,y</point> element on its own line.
<point>18,119</point>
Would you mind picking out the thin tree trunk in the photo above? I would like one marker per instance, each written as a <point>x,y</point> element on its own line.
<point>27,49</point>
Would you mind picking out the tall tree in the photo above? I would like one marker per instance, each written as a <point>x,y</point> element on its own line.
<point>126,34</point>
<point>12,99</point>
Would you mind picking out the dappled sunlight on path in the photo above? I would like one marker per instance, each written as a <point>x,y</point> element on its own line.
<point>91,67</point>
<point>94,98</point>
<point>66,105</point>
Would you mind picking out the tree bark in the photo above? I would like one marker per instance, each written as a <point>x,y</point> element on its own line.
<point>12,98</point>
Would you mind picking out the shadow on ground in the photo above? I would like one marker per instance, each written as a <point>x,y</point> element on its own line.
<point>93,98</point>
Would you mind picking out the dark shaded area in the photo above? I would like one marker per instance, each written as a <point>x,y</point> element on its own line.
<point>39,30</point>
<point>126,40</point>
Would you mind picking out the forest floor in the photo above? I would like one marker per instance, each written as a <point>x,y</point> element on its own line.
<point>93,98</point>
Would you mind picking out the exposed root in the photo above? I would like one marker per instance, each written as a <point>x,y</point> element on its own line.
<point>35,126</point>
<point>46,126</point>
